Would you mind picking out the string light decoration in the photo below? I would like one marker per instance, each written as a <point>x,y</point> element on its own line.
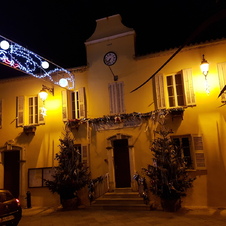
<point>20,58</point>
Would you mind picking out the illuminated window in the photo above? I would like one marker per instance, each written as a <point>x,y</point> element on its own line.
<point>29,111</point>
<point>74,104</point>
<point>33,110</point>
<point>174,90</point>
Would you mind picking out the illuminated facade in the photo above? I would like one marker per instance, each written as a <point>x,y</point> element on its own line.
<point>106,118</point>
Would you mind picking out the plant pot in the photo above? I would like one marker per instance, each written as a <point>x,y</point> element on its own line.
<point>171,205</point>
<point>70,204</point>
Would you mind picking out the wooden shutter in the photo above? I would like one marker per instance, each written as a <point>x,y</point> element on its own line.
<point>188,87</point>
<point>222,78</point>
<point>199,155</point>
<point>116,96</point>
<point>20,110</point>
<point>159,89</point>
<point>120,96</point>
<point>0,113</point>
<point>41,105</point>
<point>85,155</point>
<point>64,105</point>
<point>82,102</point>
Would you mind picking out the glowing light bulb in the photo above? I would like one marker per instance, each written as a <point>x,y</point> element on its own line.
<point>63,82</point>
<point>45,64</point>
<point>4,44</point>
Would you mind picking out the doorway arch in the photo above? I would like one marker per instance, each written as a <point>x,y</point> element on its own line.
<point>121,174</point>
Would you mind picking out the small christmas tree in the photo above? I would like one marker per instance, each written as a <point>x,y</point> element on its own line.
<point>70,175</point>
<point>168,176</point>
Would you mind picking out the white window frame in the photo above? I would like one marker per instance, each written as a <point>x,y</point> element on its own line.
<point>116,98</point>
<point>23,111</point>
<point>196,147</point>
<point>162,96</point>
<point>74,104</point>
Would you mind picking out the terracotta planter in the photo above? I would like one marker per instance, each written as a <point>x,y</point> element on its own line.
<point>171,205</point>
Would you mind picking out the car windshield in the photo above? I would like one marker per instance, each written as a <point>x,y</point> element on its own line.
<point>5,196</point>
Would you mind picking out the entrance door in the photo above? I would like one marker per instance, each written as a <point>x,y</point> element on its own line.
<point>12,171</point>
<point>121,163</point>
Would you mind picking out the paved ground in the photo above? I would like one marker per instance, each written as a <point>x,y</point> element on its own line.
<point>91,217</point>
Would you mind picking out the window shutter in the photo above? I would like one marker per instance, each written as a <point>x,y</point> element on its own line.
<point>188,87</point>
<point>116,95</point>
<point>0,113</point>
<point>82,102</point>
<point>20,110</point>
<point>41,108</point>
<point>85,155</point>
<point>64,105</point>
<point>199,155</point>
<point>120,89</point>
<point>159,89</point>
<point>222,78</point>
<point>113,105</point>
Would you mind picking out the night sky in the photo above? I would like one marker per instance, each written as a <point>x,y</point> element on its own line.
<point>57,29</point>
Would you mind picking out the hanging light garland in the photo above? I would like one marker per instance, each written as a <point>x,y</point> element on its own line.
<point>112,120</point>
<point>20,58</point>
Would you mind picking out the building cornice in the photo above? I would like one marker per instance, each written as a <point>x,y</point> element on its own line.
<point>109,38</point>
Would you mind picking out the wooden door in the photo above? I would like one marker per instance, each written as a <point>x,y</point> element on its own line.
<point>122,163</point>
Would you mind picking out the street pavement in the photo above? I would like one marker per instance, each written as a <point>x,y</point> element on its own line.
<point>37,216</point>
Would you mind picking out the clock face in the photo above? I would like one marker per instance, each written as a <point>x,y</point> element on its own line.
<point>110,58</point>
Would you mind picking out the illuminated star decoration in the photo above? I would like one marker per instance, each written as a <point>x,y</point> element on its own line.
<point>20,58</point>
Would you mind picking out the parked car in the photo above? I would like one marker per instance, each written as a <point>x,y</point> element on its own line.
<point>10,209</point>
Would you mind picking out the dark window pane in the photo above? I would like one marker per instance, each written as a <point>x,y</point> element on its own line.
<point>169,80</point>
<point>178,79</point>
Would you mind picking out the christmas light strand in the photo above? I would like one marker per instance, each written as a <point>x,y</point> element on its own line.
<point>20,58</point>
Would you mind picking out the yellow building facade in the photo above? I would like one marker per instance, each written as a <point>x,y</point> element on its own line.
<point>116,124</point>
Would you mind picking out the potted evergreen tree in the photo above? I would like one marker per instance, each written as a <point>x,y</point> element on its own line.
<point>169,179</point>
<point>70,175</point>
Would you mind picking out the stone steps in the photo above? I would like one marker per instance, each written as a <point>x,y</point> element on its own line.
<point>120,199</point>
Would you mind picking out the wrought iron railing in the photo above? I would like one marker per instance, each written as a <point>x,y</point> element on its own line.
<point>98,187</point>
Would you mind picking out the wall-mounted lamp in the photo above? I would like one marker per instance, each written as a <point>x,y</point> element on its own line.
<point>43,92</point>
<point>204,66</point>
<point>205,69</point>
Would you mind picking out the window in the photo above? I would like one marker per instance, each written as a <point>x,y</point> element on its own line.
<point>116,95</point>
<point>33,110</point>
<point>191,150</point>
<point>175,90</point>
<point>74,104</point>
<point>29,111</point>
<point>222,78</point>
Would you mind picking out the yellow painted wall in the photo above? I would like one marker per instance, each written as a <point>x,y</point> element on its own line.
<point>207,118</point>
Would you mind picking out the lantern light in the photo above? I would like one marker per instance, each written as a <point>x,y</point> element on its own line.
<point>43,93</point>
<point>204,66</point>
<point>205,69</point>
